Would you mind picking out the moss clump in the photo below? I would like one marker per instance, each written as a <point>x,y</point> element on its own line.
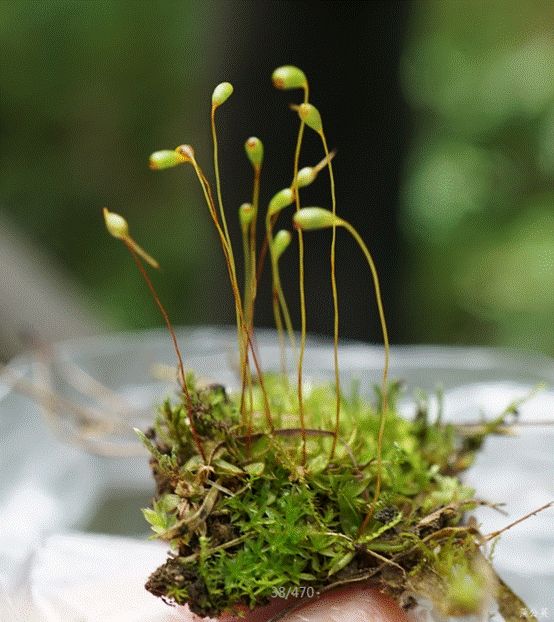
<point>280,489</point>
<point>250,522</point>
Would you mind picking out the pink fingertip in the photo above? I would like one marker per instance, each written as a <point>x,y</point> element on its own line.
<point>341,605</point>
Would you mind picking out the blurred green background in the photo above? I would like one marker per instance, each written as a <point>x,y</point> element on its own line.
<point>460,96</point>
<point>477,205</point>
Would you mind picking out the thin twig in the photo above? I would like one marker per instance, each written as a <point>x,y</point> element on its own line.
<point>495,534</point>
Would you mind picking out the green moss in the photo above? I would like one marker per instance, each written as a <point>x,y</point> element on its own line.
<point>250,520</point>
<point>284,487</point>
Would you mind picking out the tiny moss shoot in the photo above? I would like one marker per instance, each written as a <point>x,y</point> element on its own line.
<point>272,485</point>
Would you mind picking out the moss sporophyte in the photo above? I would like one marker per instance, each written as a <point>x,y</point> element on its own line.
<point>282,484</point>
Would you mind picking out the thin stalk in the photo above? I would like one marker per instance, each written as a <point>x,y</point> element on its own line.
<point>384,389</point>
<point>246,381</point>
<point>245,232</point>
<point>234,284</point>
<point>251,409</point>
<point>182,377</point>
<point>218,184</point>
<point>250,322</point>
<point>140,252</point>
<point>267,410</point>
<point>236,293</point>
<point>274,292</point>
<point>226,251</point>
<point>294,186</point>
<point>278,294</point>
<point>253,235</point>
<point>265,245</point>
<point>285,309</point>
<point>325,162</point>
<point>328,159</point>
<point>249,250</point>
<point>280,331</point>
<point>243,349</point>
<point>261,259</point>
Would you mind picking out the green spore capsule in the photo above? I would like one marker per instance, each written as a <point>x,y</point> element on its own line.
<point>254,151</point>
<point>308,174</point>
<point>186,151</point>
<point>221,93</point>
<point>282,199</point>
<point>166,158</point>
<point>246,214</point>
<point>313,218</point>
<point>289,77</point>
<point>115,224</point>
<point>118,227</point>
<point>305,176</point>
<point>311,117</point>
<point>280,242</point>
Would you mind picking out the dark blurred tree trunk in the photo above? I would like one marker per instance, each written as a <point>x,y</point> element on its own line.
<point>350,52</point>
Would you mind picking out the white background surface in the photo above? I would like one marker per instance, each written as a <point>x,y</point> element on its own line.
<point>52,570</point>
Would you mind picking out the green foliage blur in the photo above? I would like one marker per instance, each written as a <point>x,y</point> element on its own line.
<point>90,89</point>
<point>478,214</point>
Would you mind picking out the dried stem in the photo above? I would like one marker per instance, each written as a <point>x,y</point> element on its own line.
<point>495,534</point>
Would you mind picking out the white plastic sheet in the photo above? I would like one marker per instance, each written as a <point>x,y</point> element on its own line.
<point>53,570</point>
<point>77,577</point>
